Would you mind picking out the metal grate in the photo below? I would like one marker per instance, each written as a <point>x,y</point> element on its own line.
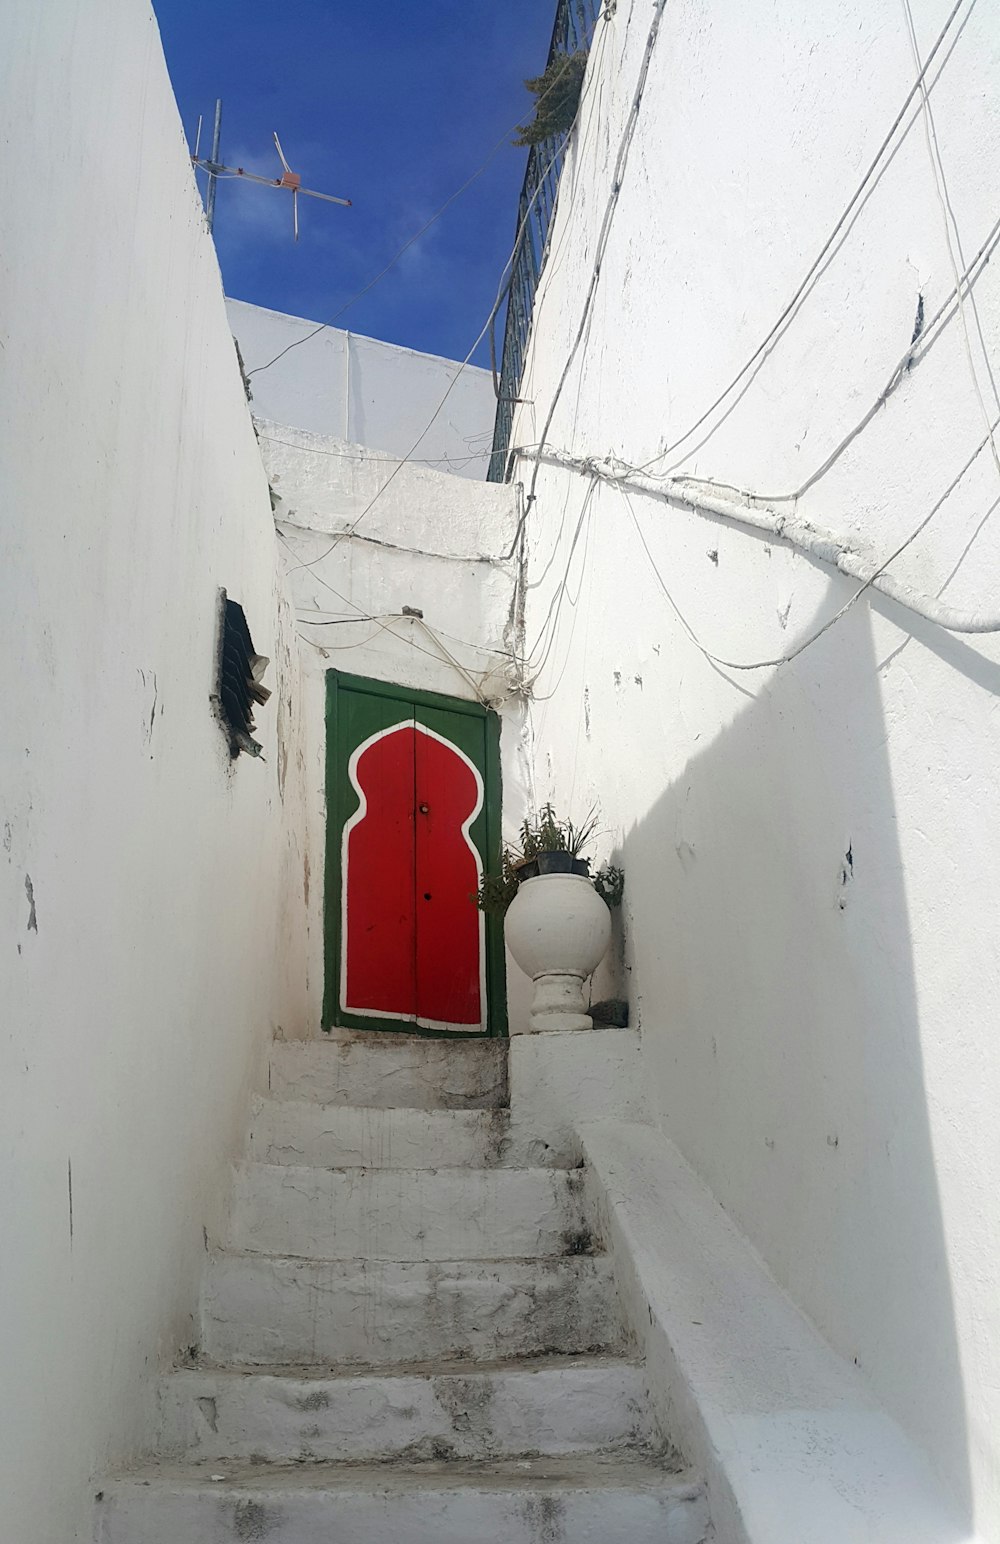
<point>572,33</point>
<point>241,670</point>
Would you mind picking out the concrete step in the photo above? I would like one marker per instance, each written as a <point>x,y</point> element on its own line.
<point>383,1071</point>
<point>257,1310</point>
<point>553,1405</point>
<point>302,1132</point>
<point>408,1214</point>
<point>589,1500</point>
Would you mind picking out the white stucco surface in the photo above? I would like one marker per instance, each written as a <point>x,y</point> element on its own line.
<point>810,850</point>
<point>793,1445</point>
<point>362,539</point>
<point>366,392</point>
<point>147,951</point>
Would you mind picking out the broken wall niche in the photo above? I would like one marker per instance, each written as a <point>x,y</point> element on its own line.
<point>240,679</point>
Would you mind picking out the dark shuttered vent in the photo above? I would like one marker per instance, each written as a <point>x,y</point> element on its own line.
<point>241,670</point>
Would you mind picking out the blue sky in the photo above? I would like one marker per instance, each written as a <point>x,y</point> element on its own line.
<point>390,104</point>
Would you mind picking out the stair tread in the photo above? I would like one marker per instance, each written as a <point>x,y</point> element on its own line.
<point>580,1471</point>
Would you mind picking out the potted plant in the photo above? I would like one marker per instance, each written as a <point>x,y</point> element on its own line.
<point>556,917</point>
<point>553,846</point>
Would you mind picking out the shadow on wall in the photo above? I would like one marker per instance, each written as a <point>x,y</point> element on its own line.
<point>774,975</point>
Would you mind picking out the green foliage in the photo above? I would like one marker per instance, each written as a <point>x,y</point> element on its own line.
<point>557,97</point>
<point>609,882</point>
<point>550,834</point>
<point>498,890</point>
<point>547,833</point>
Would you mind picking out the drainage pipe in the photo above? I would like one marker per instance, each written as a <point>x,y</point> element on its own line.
<point>819,544</point>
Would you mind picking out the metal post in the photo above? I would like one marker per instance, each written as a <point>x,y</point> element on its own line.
<point>212,180</point>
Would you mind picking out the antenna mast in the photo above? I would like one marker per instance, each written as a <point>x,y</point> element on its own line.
<point>214,168</point>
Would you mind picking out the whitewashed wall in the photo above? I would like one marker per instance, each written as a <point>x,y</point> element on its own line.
<point>367,392</point>
<point>427,540</point>
<point>150,890</point>
<point>813,883</point>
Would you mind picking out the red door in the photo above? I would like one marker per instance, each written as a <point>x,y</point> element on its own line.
<point>413,944</point>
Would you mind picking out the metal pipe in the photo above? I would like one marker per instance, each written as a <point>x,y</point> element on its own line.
<point>817,543</point>
<point>212,179</point>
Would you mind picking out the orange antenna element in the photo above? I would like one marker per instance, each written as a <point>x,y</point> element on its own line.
<point>288,179</point>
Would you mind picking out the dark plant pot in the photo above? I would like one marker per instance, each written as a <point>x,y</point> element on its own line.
<point>581,866</point>
<point>526,870</point>
<point>555,862</point>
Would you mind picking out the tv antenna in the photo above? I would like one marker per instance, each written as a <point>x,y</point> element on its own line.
<point>288,179</point>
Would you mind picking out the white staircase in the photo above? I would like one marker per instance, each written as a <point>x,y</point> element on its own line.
<point>411,1337</point>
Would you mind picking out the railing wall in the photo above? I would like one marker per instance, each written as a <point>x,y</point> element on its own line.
<point>572,32</point>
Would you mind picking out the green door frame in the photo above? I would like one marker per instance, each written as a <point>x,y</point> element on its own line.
<point>339,682</point>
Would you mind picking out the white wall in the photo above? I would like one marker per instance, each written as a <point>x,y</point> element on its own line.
<point>150,890</point>
<point>367,392</point>
<point>811,851</point>
<point>427,540</point>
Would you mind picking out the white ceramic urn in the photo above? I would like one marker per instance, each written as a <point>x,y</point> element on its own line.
<point>558,929</point>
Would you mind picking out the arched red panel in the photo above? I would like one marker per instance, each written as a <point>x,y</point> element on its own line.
<point>412,938</point>
<point>449,927</point>
<point>379,865</point>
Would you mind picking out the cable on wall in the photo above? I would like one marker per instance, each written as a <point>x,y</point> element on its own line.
<point>913,356</point>
<point>440,653</point>
<point>382,626</point>
<point>951,224</point>
<point>548,631</point>
<point>621,161</point>
<point>817,262</point>
<point>361,455</point>
<point>451,386</point>
<point>309,616</point>
<point>811,540</point>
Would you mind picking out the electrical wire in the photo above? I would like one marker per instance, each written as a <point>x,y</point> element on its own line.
<point>784,659</point>
<point>420,552</point>
<point>439,632</point>
<point>440,652</point>
<point>382,627</point>
<point>353,455</point>
<point>838,227</point>
<point>526,685</point>
<point>322,326</point>
<point>451,386</point>
<point>949,222</point>
<point>913,356</point>
<point>550,625</point>
<point>617,177</point>
<point>325,582</point>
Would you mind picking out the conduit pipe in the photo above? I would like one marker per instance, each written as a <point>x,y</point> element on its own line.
<point>819,544</point>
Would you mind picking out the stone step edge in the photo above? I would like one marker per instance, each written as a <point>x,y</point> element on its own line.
<point>441,1367</point>
<point>249,1164</point>
<point>474,1262</point>
<point>598,1469</point>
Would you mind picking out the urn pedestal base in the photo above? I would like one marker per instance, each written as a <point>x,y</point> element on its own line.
<point>558,1003</point>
